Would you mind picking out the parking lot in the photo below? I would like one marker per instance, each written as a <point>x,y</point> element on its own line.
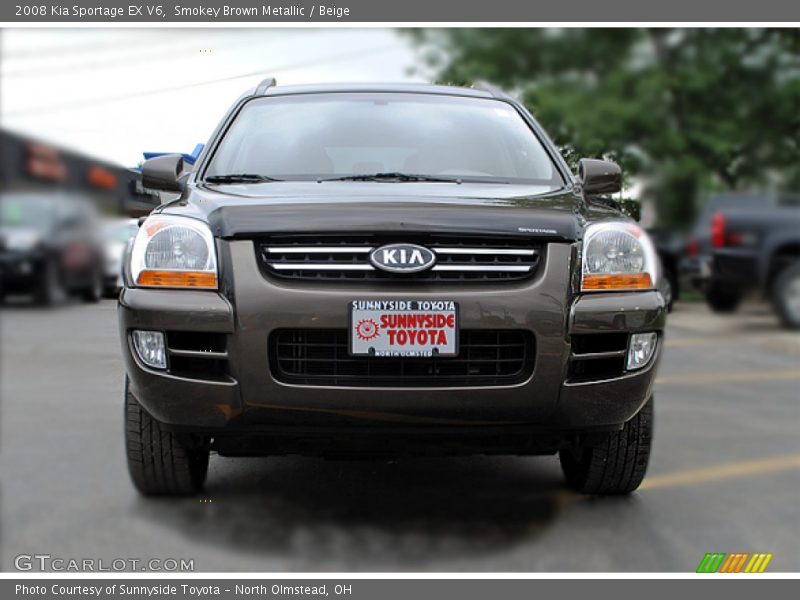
<point>725,473</point>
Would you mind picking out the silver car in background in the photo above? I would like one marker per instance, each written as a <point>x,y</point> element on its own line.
<point>116,234</point>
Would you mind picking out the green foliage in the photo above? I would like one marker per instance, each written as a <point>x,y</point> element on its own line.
<point>686,110</point>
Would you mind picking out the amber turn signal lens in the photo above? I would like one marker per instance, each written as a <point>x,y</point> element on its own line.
<point>632,281</point>
<point>190,279</point>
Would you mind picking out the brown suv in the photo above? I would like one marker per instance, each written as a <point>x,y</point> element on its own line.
<point>384,270</point>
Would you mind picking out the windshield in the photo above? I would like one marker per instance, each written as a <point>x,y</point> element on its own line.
<point>26,212</point>
<point>319,136</point>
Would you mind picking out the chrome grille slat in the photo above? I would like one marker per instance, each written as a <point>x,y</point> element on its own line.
<point>485,251</point>
<point>332,257</point>
<point>484,268</point>
<point>319,249</point>
<point>320,267</point>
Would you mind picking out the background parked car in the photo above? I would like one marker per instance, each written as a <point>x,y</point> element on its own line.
<point>744,243</point>
<point>116,233</point>
<point>670,246</point>
<point>49,247</point>
<point>695,266</point>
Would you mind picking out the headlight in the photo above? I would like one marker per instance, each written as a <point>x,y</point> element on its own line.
<point>174,252</point>
<point>618,256</point>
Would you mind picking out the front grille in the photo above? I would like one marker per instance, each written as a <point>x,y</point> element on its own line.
<point>320,357</point>
<point>346,258</point>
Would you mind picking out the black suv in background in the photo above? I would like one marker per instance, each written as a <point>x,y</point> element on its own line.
<point>49,247</point>
<point>748,242</point>
<point>383,270</point>
<point>671,246</point>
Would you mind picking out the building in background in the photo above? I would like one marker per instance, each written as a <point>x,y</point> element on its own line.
<point>32,165</point>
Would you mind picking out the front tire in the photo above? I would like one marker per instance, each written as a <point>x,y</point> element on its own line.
<point>160,462</point>
<point>786,296</point>
<point>723,299</point>
<point>111,292</point>
<point>94,292</point>
<point>615,466</point>
<point>49,289</point>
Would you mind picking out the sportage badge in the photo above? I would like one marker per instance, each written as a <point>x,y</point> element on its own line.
<point>402,258</point>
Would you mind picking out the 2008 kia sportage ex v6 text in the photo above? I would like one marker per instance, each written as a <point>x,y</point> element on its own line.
<point>382,270</point>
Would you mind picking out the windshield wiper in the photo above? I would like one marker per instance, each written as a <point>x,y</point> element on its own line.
<point>393,176</point>
<point>240,178</point>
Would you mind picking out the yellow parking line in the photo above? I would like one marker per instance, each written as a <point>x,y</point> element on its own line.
<point>704,341</point>
<point>728,377</point>
<point>775,464</point>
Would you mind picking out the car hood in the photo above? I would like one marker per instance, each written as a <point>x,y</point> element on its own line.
<point>241,211</point>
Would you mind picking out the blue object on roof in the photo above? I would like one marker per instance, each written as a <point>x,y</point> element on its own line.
<point>188,158</point>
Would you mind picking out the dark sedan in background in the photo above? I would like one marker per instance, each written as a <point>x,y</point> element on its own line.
<point>49,248</point>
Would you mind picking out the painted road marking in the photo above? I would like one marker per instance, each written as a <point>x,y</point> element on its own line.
<point>727,377</point>
<point>782,342</point>
<point>737,470</point>
<point>704,341</point>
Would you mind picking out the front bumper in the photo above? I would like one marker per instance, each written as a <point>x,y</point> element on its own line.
<point>246,397</point>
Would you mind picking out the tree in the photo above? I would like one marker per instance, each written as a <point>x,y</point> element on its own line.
<point>684,110</point>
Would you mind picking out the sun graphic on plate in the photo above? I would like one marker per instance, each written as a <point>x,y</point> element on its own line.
<point>367,330</point>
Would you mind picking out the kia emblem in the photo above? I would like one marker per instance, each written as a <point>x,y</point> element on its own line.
<point>402,258</point>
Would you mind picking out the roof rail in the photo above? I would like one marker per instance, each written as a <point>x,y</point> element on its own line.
<point>265,85</point>
<point>485,86</point>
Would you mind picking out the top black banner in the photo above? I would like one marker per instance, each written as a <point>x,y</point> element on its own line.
<point>405,11</point>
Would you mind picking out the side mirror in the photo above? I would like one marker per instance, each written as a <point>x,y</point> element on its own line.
<point>599,177</point>
<point>163,173</point>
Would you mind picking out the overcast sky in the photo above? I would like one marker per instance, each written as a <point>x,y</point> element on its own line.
<point>114,93</point>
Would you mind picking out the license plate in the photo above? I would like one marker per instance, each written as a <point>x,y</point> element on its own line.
<point>398,328</point>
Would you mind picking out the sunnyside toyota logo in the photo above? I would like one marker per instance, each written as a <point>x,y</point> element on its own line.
<point>367,330</point>
<point>402,258</point>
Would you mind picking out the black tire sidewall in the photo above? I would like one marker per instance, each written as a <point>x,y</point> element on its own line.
<point>186,475</point>
<point>723,299</point>
<point>780,293</point>
<point>50,290</point>
<point>94,293</point>
<point>586,469</point>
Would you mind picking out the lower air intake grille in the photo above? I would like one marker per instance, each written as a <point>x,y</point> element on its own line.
<point>320,357</point>
<point>597,356</point>
<point>197,355</point>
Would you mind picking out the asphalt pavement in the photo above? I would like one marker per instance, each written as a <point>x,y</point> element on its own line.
<point>724,477</point>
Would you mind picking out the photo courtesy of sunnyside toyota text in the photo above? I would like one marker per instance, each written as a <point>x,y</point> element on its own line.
<point>372,299</point>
